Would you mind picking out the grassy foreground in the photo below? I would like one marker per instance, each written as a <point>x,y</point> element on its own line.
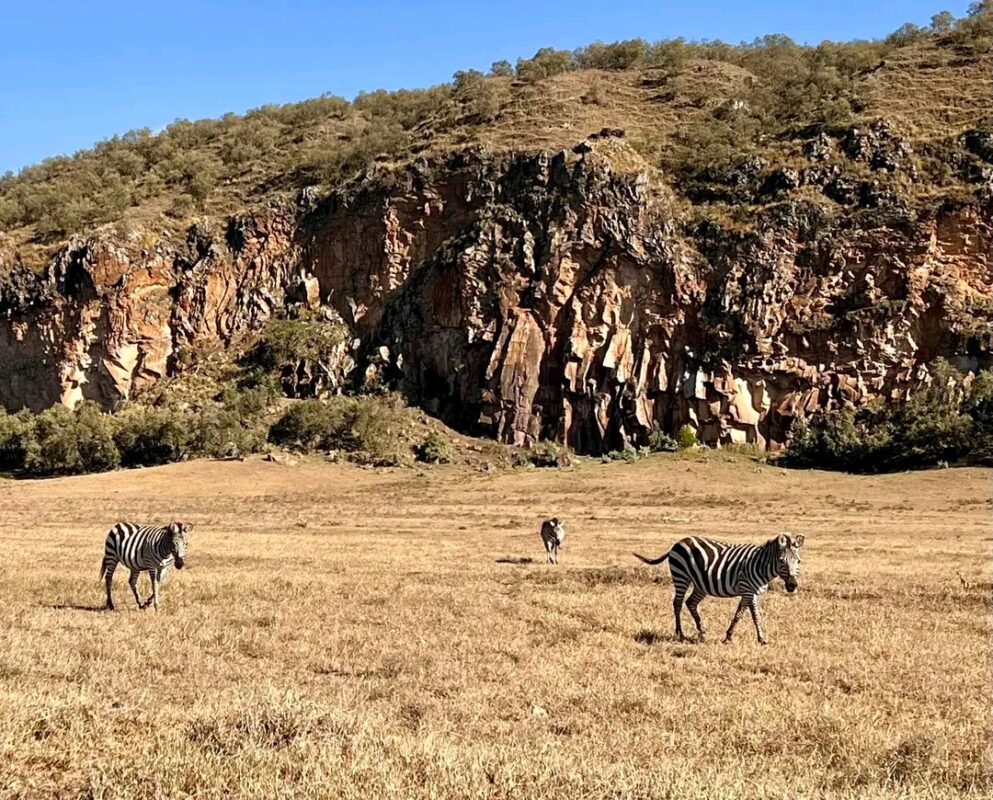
<point>345,632</point>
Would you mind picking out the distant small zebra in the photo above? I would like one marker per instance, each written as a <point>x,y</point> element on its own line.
<point>720,569</point>
<point>143,548</point>
<point>553,534</point>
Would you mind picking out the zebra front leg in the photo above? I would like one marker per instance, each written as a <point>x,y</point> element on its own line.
<point>753,606</point>
<point>550,552</point>
<point>154,575</point>
<point>738,614</point>
<point>108,570</point>
<point>696,596</point>
<point>133,583</point>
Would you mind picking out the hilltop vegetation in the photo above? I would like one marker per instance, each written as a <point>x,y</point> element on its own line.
<point>687,106</point>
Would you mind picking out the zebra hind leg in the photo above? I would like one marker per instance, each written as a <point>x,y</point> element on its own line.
<point>696,596</point>
<point>677,609</point>
<point>133,583</point>
<point>739,612</point>
<point>108,577</point>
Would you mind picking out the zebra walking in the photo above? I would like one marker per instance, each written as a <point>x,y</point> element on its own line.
<point>552,535</point>
<point>720,569</point>
<point>143,549</point>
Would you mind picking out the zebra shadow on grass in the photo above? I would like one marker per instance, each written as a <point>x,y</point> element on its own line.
<point>515,560</point>
<point>76,607</point>
<point>649,637</point>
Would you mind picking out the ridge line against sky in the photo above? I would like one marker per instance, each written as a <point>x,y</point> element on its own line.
<point>76,73</point>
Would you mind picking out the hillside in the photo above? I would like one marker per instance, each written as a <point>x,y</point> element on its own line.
<point>682,105</point>
<point>585,247</point>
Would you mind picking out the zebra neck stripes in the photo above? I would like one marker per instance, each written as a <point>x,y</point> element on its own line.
<point>163,549</point>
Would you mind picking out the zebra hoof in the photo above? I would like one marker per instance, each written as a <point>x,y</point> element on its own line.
<point>727,640</point>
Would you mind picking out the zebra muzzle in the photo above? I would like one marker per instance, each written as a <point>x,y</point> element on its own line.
<point>179,563</point>
<point>791,586</point>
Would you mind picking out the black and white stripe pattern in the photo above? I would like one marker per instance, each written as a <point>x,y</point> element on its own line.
<point>143,549</point>
<point>552,536</point>
<point>720,569</point>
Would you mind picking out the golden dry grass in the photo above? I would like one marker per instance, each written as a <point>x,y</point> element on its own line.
<point>355,633</point>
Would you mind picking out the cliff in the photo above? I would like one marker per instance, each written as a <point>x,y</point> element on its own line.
<point>568,295</point>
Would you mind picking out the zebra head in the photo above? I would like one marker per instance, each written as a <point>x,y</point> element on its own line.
<point>178,532</point>
<point>558,526</point>
<point>788,559</point>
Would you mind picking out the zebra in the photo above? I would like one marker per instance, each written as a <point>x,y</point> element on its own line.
<point>143,548</point>
<point>553,534</point>
<point>720,569</point>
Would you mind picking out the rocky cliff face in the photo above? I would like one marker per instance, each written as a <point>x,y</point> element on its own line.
<point>566,296</point>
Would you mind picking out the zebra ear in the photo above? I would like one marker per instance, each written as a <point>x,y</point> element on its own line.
<point>783,540</point>
<point>798,540</point>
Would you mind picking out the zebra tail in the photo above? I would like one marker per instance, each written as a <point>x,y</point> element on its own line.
<point>653,561</point>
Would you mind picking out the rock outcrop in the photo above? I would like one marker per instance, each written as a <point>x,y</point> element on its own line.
<point>536,296</point>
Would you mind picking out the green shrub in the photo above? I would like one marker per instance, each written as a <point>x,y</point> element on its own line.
<point>311,425</point>
<point>975,30</point>
<point>369,428</point>
<point>548,454</point>
<point>629,454</point>
<point>156,436</point>
<point>979,406</point>
<point>546,62</point>
<point>686,437</point>
<point>463,79</point>
<point>15,430</point>
<point>251,396</point>
<point>70,442</point>
<point>300,347</point>
<point>943,421</point>
<point>218,432</point>
<point>376,427</point>
<point>502,69</point>
<point>287,341</point>
<point>616,55</point>
<point>181,207</point>
<point>661,442</point>
<point>435,449</point>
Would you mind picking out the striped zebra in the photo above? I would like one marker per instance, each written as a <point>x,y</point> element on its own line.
<point>552,535</point>
<point>720,569</point>
<point>143,548</point>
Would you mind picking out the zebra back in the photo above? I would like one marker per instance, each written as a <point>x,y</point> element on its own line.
<point>720,568</point>
<point>140,547</point>
<point>553,531</point>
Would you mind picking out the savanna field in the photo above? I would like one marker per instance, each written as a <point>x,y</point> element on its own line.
<point>348,632</point>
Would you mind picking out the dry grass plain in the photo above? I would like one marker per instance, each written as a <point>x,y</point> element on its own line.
<point>342,632</point>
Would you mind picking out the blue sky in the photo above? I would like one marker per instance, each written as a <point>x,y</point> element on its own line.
<point>72,73</point>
